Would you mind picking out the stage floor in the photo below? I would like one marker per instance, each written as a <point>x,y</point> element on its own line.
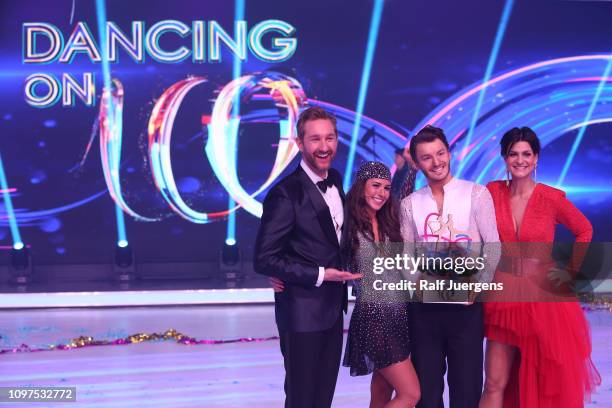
<point>166,374</point>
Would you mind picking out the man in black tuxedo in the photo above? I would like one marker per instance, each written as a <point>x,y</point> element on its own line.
<point>298,246</point>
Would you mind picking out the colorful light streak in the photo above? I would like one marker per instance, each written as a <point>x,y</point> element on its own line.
<point>111,119</point>
<point>8,205</point>
<point>288,94</point>
<point>111,134</point>
<point>551,96</point>
<point>363,88</point>
<point>230,238</point>
<point>501,30</point>
<point>589,114</point>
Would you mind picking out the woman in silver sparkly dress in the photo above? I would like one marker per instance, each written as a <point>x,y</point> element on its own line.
<point>378,339</point>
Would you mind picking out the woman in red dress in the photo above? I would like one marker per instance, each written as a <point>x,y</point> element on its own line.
<point>538,352</point>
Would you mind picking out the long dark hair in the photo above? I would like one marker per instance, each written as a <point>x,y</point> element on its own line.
<point>358,220</point>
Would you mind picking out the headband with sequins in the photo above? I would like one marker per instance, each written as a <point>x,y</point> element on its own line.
<point>373,169</point>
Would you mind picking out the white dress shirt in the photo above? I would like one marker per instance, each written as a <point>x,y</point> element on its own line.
<point>336,210</point>
<point>467,213</point>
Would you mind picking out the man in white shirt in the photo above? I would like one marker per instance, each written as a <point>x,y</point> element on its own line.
<point>448,211</point>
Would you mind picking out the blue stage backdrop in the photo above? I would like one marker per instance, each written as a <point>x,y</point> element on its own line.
<point>164,123</point>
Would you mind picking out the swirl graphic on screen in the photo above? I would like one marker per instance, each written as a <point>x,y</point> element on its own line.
<point>222,145</point>
<point>285,91</point>
<point>551,96</point>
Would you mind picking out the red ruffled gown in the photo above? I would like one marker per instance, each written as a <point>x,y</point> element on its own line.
<point>554,368</point>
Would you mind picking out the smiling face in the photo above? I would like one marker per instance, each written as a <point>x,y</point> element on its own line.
<point>376,193</point>
<point>521,160</point>
<point>433,158</point>
<point>318,145</point>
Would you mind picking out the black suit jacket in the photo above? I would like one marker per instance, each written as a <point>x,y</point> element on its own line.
<point>295,238</point>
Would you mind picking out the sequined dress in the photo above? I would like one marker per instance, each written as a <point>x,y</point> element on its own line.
<point>378,332</point>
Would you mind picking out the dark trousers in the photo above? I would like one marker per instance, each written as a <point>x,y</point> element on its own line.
<point>312,360</point>
<point>453,334</point>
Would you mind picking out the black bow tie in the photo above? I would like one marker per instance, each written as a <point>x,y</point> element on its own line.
<point>325,184</point>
